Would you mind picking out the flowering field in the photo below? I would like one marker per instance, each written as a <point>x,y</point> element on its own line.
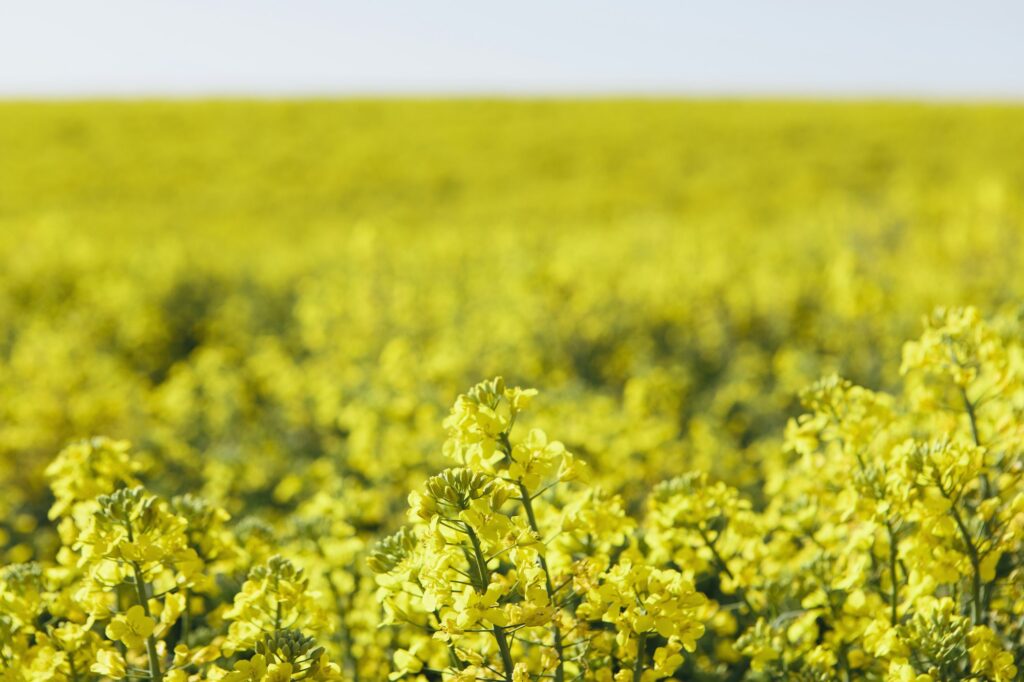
<point>761,414</point>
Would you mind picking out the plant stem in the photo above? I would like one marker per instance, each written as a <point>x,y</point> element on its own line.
<point>977,611</point>
<point>185,619</point>
<point>342,605</point>
<point>155,673</point>
<point>986,486</point>
<point>346,636</point>
<point>895,586</point>
<point>724,567</point>
<point>453,657</point>
<point>484,579</point>
<point>969,406</point>
<point>638,666</point>
<point>277,603</point>
<point>555,630</point>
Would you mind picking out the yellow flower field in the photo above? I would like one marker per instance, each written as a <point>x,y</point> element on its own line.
<point>511,390</point>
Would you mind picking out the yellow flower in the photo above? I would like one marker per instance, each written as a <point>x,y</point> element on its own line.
<point>253,670</point>
<point>988,658</point>
<point>279,672</point>
<point>901,671</point>
<point>109,663</point>
<point>406,663</point>
<point>173,606</point>
<point>132,627</point>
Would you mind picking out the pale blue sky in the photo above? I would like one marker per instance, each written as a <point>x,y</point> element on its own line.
<point>909,48</point>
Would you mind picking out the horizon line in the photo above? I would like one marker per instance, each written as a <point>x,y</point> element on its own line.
<point>544,94</point>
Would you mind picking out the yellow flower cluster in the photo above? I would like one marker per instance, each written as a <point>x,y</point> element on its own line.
<point>523,570</point>
<point>276,305</point>
<point>141,590</point>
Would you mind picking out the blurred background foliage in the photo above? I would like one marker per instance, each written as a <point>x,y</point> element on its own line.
<point>258,293</point>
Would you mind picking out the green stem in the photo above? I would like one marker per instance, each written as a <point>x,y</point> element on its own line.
<point>978,614</point>
<point>506,653</point>
<point>342,606</point>
<point>724,567</point>
<point>155,673</point>
<point>986,486</point>
<point>186,620</point>
<point>555,630</point>
<point>453,657</point>
<point>972,418</point>
<point>844,664</point>
<point>638,666</point>
<point>343,629</point>
<point>895,586</point>
<point>277,603</point>
<point>484,579</point>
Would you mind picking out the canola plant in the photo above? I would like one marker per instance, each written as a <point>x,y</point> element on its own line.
<point>761,416</point>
